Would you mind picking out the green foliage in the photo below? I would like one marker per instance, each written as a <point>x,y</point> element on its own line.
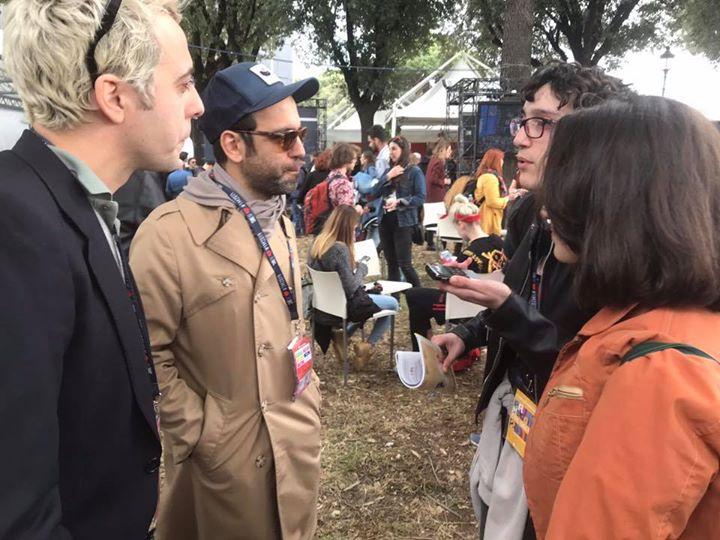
<point>700,21</point>
<point>586,31</point>
<point>334,88</point>
<point>244,26</point>
<point>374,33</point>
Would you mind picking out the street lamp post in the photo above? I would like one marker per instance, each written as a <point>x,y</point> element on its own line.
<point>667,56</point>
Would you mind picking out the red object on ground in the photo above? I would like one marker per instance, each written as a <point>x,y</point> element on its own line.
<point>465,362</point>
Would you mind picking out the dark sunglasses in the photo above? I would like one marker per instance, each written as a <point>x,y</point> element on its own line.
<point>285,138</point>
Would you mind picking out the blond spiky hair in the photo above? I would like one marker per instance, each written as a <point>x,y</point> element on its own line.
<point>46,41</point>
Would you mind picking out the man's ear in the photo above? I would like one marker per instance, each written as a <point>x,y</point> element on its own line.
<point>112,97</point>
<point>233,146</point>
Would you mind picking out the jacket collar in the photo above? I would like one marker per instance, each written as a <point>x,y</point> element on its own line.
<point>201,221</point>
<point>230,236</point>
<point>72,200</point>
<point>604,319</point>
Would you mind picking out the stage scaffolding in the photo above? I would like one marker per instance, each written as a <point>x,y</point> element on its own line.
<point>482,115</point>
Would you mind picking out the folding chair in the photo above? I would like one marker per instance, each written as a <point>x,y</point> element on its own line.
<point>329,297</point>
<point>456,308</point>
<point>447,231</point>
<point>432,213</point>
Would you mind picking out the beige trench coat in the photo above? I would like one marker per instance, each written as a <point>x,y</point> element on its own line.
<point>242,460</point>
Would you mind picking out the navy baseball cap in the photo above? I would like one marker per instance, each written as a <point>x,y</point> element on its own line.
<point>246,88</point>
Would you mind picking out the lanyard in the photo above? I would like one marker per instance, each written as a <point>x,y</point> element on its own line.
<point>264,244</point>
<point>132,291</point>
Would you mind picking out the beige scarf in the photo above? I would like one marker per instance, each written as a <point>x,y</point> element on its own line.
<point>202,190</point>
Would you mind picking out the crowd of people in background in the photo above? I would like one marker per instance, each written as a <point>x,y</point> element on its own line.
<point>600,397</point>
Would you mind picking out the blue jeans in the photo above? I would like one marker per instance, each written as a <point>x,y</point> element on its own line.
<point>374,235</point>
<point>382,324</point>
<point>296,212</point>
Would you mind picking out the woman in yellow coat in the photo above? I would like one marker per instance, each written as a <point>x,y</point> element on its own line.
<point>490,193</point>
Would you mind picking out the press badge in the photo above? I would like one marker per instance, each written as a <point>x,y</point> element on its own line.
<point>301,353</point>
<point>522,416</point>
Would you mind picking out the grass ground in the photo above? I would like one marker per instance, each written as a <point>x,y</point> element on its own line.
<point>394,460</point>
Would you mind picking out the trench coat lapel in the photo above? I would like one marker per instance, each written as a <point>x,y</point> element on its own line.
<point>278,243</point>
<point>72,200</point>
<point>235,242</point>
<point>230,237</point>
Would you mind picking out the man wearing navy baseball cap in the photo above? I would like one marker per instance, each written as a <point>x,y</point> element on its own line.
<point>219,276</point>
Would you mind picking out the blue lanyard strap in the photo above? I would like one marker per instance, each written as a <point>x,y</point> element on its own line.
<point>264,244</point>
<point>134,298</point>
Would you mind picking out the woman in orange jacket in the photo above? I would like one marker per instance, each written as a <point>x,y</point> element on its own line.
<point>490,192</point>
<point>626,438</point>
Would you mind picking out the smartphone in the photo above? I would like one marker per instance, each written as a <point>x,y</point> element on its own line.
<point>443,273</point>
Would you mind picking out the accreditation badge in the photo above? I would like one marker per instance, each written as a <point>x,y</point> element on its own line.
<point>301,354</point>
<point>522,416</point>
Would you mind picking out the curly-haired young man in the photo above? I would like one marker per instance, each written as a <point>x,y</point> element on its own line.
<point>533,313</point>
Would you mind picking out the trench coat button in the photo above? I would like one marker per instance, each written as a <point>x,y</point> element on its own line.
<point>261,349</point>
<point>263,406</point>
<point>260,461</point>
<point>226,282</point>
<point>152,466</point>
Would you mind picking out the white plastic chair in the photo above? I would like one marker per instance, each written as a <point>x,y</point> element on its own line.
<point>448,231</point>
<point>456,308</point>
<point>431,214</point>
<point>329,297</point>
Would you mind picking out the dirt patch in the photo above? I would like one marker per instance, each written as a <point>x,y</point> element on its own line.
<point>394,461</point>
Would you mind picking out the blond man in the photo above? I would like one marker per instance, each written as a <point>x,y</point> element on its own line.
<point>107,88</point>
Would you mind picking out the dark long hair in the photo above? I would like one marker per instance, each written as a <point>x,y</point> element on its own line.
<point>404,145</point>
<point>633,188</point>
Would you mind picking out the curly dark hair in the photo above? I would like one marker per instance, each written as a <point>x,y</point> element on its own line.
<point>577,85</point>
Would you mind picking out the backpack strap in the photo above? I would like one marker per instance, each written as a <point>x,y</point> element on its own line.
<point>649,347</point>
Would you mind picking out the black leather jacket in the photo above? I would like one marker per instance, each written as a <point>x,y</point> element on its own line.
<point>524,341</point>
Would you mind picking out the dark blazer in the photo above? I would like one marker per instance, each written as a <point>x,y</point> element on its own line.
<point>80,451</point>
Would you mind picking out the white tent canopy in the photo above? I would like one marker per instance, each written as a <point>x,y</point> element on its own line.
<point>422,111</point>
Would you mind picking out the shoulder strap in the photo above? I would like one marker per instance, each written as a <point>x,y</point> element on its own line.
<point>649,347</point>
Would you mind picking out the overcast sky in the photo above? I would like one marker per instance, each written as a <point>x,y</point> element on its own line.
<point>692,79</point>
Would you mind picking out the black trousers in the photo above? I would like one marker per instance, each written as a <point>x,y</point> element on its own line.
<point>424,304</point>
<point>397,245</point>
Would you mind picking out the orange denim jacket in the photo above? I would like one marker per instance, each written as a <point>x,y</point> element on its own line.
<point>629,451</point>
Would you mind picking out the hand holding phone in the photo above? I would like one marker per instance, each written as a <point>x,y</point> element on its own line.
<point>443,273</point>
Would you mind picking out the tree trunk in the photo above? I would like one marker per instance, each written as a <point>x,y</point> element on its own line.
<point>518,19</point>
<point>366,111</point>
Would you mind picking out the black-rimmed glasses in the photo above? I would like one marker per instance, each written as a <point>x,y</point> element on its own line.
<point>285,138</point>
<point>534,126</point>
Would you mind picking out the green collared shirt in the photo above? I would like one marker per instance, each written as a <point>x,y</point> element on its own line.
<point>98,195</point>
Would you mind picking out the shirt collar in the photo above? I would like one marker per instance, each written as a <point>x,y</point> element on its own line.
<point>98,193</point>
